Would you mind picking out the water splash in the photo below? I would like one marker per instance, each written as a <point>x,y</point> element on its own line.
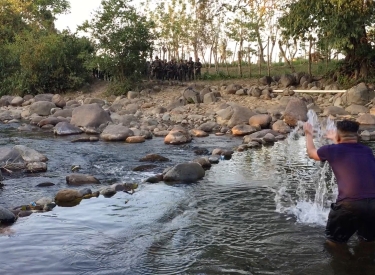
<point>307,192</point>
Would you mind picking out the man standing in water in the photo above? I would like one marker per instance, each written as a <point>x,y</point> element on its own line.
<point>354,167</point>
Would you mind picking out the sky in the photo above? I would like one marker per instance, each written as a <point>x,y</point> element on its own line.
<point>80,11</point>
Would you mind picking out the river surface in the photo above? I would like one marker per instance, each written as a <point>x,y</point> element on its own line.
<point>237,220</point>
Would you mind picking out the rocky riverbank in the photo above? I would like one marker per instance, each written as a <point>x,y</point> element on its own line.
<point>179,114</point>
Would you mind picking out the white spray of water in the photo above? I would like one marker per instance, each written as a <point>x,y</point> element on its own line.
<point>295,198</point>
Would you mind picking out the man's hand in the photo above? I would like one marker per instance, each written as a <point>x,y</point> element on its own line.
<point>307,127</point>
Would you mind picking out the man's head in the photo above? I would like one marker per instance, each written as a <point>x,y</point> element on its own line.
<point>347,131</point>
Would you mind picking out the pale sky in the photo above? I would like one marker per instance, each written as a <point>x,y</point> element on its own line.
<point>80,11</point>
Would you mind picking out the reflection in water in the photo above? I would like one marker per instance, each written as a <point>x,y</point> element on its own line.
<point>225,224</point>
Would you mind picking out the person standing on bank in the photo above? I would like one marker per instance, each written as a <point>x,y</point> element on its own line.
<point>354,167</point>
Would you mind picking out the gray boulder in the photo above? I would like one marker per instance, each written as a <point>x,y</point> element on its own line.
<point>355,109</point>
<point>203,92</point>
<point>59,101</point>
<point>334,111</point>
<point>17,101</point>
<point>260,120</point>
<point>265,80</point>
<point>63,113</point>
<point>366,119</point>
<point>295,111</point>
<point>43,97</point>
<point>116,133</point>
<point>98,101</point>
<point>30,155</point>
<point>42,108</point>
<point>208,127</point>
<point>36,167</point>
<point>287,80</point>
<point>188,172</point>
<point>90,115</point>
<point>65,128</point>
<point>209,98</point>
<point>191,96</point>
<point>359,95</point>
<point>80,179</point>
<point>6,216</point>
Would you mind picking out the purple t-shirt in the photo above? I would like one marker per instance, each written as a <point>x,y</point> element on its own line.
<point>354,167</point>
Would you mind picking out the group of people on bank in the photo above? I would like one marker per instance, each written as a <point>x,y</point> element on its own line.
<point>182,70</point>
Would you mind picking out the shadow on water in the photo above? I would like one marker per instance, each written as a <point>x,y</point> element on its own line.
<point>228,223</point>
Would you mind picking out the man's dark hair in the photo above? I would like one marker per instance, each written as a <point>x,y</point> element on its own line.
<point>347,126</point>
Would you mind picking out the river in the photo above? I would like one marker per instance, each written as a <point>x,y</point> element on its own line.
<point>228,223</point>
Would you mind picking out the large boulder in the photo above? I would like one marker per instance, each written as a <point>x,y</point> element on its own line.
<point>243,129</point>
<point>89,115</point>
<point>98,101</point>
<point>30,155</point>
<point>334,111</point>
<point>265,80</point>
<point>295,111</point>
<point>52,121</point>
<point>10,156</point>
<point>116,133</point>
<point>63,113</point>
<point>65,128</point>
<point>66,196</point>
<point>366,119</point>
<point>6,216</point>
<point>188,172</point>
<point>359,95</point>
<point>208,126</point>
<point>234,115</point>
<point>17,101</point>
<point>59,101</point>
<point>355,109</point>
<point>203,92</point>
<point>80,179</point>
<point>42,108</point>
<point>209,98</point>
<point>178,135</point>
<point>232,89</point>
<point>281,127</point>
<point>287,80</point>
<point>191,96</point>
<point>260,120</point>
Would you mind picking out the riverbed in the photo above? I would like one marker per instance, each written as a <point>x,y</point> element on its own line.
<point>227,223</point>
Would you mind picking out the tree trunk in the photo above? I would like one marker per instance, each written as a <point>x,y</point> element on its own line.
<point>268,58</point>
<point>310,59</point>
<point>285,57</point>
<point>249,61</point>
<point>260,44</point>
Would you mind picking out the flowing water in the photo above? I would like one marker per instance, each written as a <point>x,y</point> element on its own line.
<point>263,212</point>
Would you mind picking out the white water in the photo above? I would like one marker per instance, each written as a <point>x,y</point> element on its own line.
<point>307,193</point>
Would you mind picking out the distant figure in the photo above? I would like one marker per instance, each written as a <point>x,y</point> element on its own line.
<point>190,69</point>
<point>197,69</point>
<point>354,167</point>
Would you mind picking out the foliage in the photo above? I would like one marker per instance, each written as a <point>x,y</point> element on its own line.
<point>338,24</point>
<point>34,56</point>
<point>122,37</point>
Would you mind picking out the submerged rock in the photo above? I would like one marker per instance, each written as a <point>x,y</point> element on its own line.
<point>80,179</point>
<point>154,158</point>
<point>6,216</point>
<point>188,172</point>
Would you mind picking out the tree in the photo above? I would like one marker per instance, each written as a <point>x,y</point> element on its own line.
<point>338,24</point>
<point>123,39</point>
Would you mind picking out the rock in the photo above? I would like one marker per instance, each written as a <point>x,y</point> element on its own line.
<point>269,138</point>
<point>159,110</point>
<point>42,108</point>
<point>259,135</point>
<point>265,80</point>
<point>67,196</point>
<point>203,92</point>
<point>63,113</point>
<point>43,97</point>
<point>98,101</point>
<point>334,111</point>
<point>314,107</point>
<point>108,192</point>
<point>154,179</point>
<point>234,115</point>
<point>86,139</point>
<point>72,103</point>
<point>145,167</point>
<point>243,129</point>
<point>12,157</point>
<point>17,101</point>
<point>260,120</point>
<point>59,101</point>
<point>281,127</point>
<point>198,133</point>
<point>227,154</point>
<point>209,98</point>
<point>188,172</point>
<point>51,121</point>
<point>154,158</point>
<point>6,216</point>
<point>65,128</point>
<point>191,96</point>
<point>30,155</point>
<point>232,89</point>
<point>208,126</point>
<point>135,139</point>
<point>177,103</point>
<point>356,109</point>
<point>45,184</point>
<point>43,201</point>
<point>132,95</point>
<point>178,135</point>
<point>116,133</point>
<point>204,162</point>
<point>85,192</point>
<point>89,115</point>
<point>36,167</point>
<point>287,80</point>
<point>359,95</point>
<point>366,119</point>
<point>295,111</point>
<point>80,179</point>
